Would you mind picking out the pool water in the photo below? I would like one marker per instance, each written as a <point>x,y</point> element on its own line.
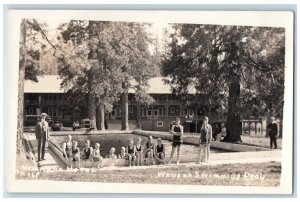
<point>121,140</point>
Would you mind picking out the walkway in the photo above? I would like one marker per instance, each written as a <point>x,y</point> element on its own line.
<point>52,162</point>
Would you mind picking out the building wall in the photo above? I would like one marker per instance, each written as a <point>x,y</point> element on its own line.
<point>158,117</point>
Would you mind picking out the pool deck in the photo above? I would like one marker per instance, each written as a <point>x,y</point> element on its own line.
<point>83,132</point>
<point>54,162</point>
<point>193,138</point>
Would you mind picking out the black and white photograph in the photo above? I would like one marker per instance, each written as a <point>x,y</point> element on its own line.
<point>150,102</point>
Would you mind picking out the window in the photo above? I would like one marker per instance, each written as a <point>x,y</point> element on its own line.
<point>113,112</point>
<point>131,109</point>
<point>142,112</point>
<point>191,112</point>
<point>172,109</point>
<point>161,111</point>
<point>119,112</point>
<point>155,112</point>
<point>159,123</point>
<point>149,112</point>
<point>30,110</point>
<point>185,112</point>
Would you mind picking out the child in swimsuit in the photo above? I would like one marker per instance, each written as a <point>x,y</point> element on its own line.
<point>159,152</point>
<point>122,155</point>
<point>75,155</point>
<point>87,151</point>
<point>130,151</point>
<point>97,158</point>
<point>149,151</point>
<point>139,152</point>
<point>111,154</point>
<point>177,132</point>
<point>66,147</point>
<point>205,139</point>
<point>220,136</point>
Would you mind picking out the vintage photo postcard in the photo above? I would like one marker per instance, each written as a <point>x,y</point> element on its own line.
<point>196,102</point>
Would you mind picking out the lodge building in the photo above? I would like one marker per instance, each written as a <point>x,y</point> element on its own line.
<point>47,96</point>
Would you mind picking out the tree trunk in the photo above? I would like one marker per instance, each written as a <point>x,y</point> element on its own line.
<point>233,124</point>
<point>138,121</point>
<point>22,65</point>
<point>125,111</point>
<point>91,99</point>
<point>100,113</point>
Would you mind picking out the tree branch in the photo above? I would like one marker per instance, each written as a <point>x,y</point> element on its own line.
<point>43,33</point>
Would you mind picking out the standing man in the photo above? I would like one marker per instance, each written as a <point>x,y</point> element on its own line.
<point>42,134</point>
<point>273,132</point>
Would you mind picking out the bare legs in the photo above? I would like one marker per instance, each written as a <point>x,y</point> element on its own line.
<point>149,154</point>
<point>139,160</point>
<point>161,159</point>
<point>97,161</point>
<point>205,149</point>
<point>172,153</point>
<point>131,160</point>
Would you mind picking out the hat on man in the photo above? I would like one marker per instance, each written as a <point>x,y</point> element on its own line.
<point>43,114</point>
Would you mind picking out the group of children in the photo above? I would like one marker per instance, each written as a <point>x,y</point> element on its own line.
<point>138,154</point>
<point>72,153</point>
<point>133,154</point>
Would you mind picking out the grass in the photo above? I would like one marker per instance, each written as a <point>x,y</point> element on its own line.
<point>255,140</point>
<point>258,140</point>
<point>256,174</point>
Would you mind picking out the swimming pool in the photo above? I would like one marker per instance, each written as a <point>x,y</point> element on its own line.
<point>121,140</point>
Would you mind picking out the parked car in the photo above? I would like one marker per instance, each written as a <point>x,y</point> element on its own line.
<point>88,124</point>
<point>56,126</point>
<point>76,125</point>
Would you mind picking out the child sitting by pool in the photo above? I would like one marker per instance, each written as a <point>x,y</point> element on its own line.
<point>75,155</point>
<point>130,151</point>
<point>139,152</point>
<point>87,151</point>
<point>67,153</point>
<point>111,154</point>
<point>97,158</point>
<point>149,150</point>
<point>220,136</point>
<point>159,151</point>
<point>122,155</point>
<point>66,147</point>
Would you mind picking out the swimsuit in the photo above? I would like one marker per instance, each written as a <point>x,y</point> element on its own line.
<point>177,139</point>
<point>97,156</point>
<point>205,135</point>
<point>74,152</point>
<point>87,153</point>
<point>159,151</point>
<point>130,151</point>
<point>149,146</point>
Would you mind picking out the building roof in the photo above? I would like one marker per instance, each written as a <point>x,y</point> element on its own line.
<point>157,86</point>
<point>51,84</point>
<point>45,84</point>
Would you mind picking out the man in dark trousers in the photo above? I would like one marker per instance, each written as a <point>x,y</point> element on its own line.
<point>273,132</point>
<point>42,134</point>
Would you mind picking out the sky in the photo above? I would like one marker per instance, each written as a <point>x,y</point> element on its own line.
<point>156,30</point>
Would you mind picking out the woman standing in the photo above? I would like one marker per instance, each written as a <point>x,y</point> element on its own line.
<point>205,139</point>
<point>177,132</point>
